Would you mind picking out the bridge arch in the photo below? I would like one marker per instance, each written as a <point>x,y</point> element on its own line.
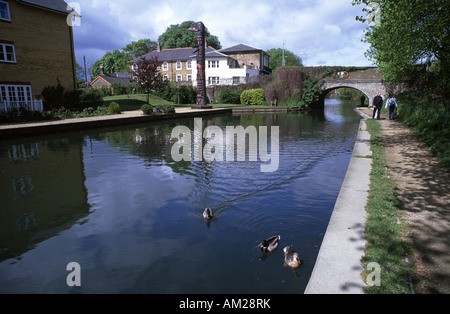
<point>369,90</point>
<point>368,80</point>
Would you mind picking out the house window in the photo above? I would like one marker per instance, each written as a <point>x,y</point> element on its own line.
<point>189,78</point>
<point>4,11</point>
<point>165,66</point>
<point>189,64</point>
<point>20,93</point>
<point>7,53</point>
<point>165,78</point>
<point>178,65</point>
<point>213,64</point>
<point>213,80</point>
<point>236,80</point>
<point>179,78</point>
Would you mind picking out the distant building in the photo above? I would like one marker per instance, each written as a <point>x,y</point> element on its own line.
<point>109,79</point>
<point>230,66</point>
<point>36,49</point>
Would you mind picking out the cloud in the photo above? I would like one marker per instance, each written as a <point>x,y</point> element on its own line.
<point>325,31</point>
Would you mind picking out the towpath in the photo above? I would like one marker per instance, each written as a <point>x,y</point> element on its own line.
<point>423,189</point>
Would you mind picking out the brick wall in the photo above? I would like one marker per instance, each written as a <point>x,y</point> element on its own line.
<point>43,45</point>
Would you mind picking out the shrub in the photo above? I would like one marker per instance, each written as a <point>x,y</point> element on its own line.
<point>114,108</point>
<point>167,109</point>
<point>227,96</point>
<point>53,96</point>
<point>71,99</point>
<point>91,98</point>
<point>118,89</point>
<point>252,97</point>
<point>147,109</point>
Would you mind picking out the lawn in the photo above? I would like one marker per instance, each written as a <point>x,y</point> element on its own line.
<point>135,101</point>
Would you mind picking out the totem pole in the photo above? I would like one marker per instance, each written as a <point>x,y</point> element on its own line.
<point>201,83</point>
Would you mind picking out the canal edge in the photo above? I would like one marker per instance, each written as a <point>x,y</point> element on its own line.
<point>338,265</point>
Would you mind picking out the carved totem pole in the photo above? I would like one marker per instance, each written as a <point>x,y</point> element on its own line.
<point>201,83</point>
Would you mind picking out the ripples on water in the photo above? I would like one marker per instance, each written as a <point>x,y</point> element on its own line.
<point>132,217</point>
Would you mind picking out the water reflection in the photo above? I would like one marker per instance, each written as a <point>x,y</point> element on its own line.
<point>115,202</point>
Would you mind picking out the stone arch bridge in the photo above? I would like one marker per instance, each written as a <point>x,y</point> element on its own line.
<point>369,81</point>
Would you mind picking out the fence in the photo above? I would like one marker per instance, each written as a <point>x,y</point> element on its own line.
<point>7,107</point>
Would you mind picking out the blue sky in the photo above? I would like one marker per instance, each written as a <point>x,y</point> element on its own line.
<point>322,32</point>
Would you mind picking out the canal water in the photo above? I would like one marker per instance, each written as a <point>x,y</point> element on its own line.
<point>114,202</point>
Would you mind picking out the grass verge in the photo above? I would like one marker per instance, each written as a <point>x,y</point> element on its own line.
<point>387,240</point>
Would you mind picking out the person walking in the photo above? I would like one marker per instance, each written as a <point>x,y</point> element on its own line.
<point>391,103</point>
<point>377,105</point>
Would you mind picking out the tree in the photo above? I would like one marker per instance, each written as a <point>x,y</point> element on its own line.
<point>178,36</point>
<point>409,38</point>
<point>147,73</point>
<point>140,47</point>
<point>116,61</point>
<point>276,58</point>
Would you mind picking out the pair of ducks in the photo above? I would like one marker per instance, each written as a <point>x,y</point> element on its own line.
<point>291,257</point>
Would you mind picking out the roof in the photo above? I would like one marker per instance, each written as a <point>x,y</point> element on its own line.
<point>59,6</point>
<point>113,78</point>
<point>239,48</point>
<point>175,54</point>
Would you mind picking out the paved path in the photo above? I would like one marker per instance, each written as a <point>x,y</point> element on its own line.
<point>423,189</point>
<point>338,266</point>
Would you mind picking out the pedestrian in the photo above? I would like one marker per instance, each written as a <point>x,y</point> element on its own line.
<point>391,103</point>
<point>377,105</point>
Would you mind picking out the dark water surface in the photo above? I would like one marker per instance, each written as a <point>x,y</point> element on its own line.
<point>114,201</point>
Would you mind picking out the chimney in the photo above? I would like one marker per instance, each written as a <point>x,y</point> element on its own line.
<point>101,70</point>
<point>158,47</point>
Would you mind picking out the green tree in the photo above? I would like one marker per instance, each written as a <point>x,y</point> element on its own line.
<point>116,61</point>
<point>178,36</point>
<point>408,38</point>
<point>140,47</point>
<point>276,58</point>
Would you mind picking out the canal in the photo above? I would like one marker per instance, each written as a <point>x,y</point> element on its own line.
<point>116,203</point>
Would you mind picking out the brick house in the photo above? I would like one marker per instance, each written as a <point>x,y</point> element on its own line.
<point>224,67</point>
<point>176,64</point>
<point>107,80</point>
<point>36,48</point>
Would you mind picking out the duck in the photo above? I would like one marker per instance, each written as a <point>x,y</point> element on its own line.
<point>291,257</point>
<point>208,214</point>
<point>270,244</point>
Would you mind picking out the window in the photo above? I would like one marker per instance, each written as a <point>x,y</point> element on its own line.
<point>165,66</point>
<point>213,64</point>
<point>189,78</point>
<point>189,64</point>
<point>213,80</point>
<point>20,93</point>
<point>179,78</point>
<point>7,53</point>
<point>166,78</point>
<point>4,11</point>
<point>178,65</point>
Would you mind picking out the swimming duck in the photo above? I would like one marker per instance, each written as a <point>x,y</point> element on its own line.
<point>291,257</point>
<point>270,244</point>
<point>208,214</point>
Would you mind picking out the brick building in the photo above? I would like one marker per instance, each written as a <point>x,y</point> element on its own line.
<point>36,48</point>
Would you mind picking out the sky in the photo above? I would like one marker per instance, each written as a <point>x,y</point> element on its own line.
<point>321,32</point>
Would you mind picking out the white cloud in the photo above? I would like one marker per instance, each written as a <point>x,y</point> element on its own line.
<point>324,30</point>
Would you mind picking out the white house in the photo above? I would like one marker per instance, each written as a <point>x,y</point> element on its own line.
<point>221,69</point>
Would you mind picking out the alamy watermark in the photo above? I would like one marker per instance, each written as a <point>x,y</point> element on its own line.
<point>228,145</point>
<point>74,17</point>
<point>73,279</point>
